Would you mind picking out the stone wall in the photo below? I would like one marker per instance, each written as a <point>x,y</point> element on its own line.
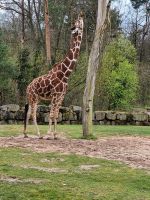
<point>14,114</point>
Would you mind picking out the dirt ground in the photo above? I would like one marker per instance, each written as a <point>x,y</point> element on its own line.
<point>134,151</point>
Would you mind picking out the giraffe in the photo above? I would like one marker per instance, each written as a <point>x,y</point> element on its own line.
<point>53,86</point>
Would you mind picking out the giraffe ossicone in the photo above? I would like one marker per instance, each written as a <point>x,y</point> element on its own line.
<point>53,85</point>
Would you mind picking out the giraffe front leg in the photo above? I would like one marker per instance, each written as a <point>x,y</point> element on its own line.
<point>56,114</point>
<point>49,132</point>
<point>55,106</point>
<point>55,125</point>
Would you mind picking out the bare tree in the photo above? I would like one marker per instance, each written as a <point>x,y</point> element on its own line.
<point>47,34</point>
<point>22,23</point>
<point>94,60</point>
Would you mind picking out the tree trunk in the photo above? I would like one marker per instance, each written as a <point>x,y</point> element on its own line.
<point>47,34</point>
<point>94,60</point>
<point>31,24</point>
<point>39,33</point>
<point>23,24</point>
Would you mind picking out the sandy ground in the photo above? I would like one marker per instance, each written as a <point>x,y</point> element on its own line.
<point>134,151</point>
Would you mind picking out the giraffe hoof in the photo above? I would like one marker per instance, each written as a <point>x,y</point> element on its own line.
<point>48,138</point>
<point>41,137</point>
<point>25,136</point>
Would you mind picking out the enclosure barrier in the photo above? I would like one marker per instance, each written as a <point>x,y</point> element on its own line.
<point>14,114</point>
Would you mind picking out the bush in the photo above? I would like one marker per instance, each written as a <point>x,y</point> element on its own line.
<point>118,80</point>
<point>7,71</point>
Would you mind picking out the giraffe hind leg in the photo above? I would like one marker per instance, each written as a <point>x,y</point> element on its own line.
<point>56,114</point>
<point>51,119</point>
<point>33,111</point>
<point>26,118</point>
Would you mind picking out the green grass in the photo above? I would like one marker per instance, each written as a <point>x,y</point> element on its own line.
<point>109,180</point>
<point>62,176</point>
<point>75,131</point>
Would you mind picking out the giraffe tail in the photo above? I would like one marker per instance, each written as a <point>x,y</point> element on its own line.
<point>25,116</point>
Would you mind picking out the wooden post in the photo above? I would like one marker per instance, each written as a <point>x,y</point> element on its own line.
<point>93,64</point>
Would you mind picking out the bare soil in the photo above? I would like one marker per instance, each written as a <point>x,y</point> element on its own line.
<point>134,151</point>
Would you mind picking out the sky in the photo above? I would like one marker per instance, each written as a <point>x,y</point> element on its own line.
<point>124,6</point>
<point>126,11</point>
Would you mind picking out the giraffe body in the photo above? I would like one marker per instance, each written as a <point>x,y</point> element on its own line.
<point>53,86</point>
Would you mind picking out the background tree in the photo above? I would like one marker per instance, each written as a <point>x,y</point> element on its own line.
<point>140,36</point>
<point>24,75</point>
<point>117,83</point>
<point>7,73</point>
<point>47,33</point>
<point>62,14</point>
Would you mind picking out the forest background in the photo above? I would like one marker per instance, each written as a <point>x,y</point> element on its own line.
<point>34,35</point>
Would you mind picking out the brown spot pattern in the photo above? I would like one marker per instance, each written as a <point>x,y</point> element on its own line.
<point>64,68</point>
<point>47,82</point>
<point>42,83</point>
<point>55,81</point>
<point>67,62</point>
<point>70,56</point>
<point>72,65</point>
<point>60,75</point>
<point>67,73</point>
<point>59,88</point>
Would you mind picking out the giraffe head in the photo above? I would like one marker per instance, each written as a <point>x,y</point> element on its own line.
<point>78,26</point>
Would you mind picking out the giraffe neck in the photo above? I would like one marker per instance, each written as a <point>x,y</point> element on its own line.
<point>71,57</point>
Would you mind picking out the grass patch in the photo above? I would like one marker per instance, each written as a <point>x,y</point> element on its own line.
<point>75,131</point>
<point>109,180</point>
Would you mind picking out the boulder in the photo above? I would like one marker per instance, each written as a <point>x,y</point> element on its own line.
<point>46,117</point>
<point>99,115</point>
<point>19,115</point>
<point>76,109</point>
<point>77,112</point>
<point>148,111</point>
<point>43,108</point>
<point>129,117</point>
<point>64,109</point>
<point>2,122</point>
<point>41,117</point>
<point>141,117</point>
<point>149,117</point>
<point>101,122</point>
<point>10,107</point>
<point>9,116</point>
<point>79,116</point>
<point>59,117</point>
<point>139,110</point>
<point>110,115</point>
<point>1,118</point>
<point>73,116</point>
<point>66,116</point>
<point>122,116</point>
